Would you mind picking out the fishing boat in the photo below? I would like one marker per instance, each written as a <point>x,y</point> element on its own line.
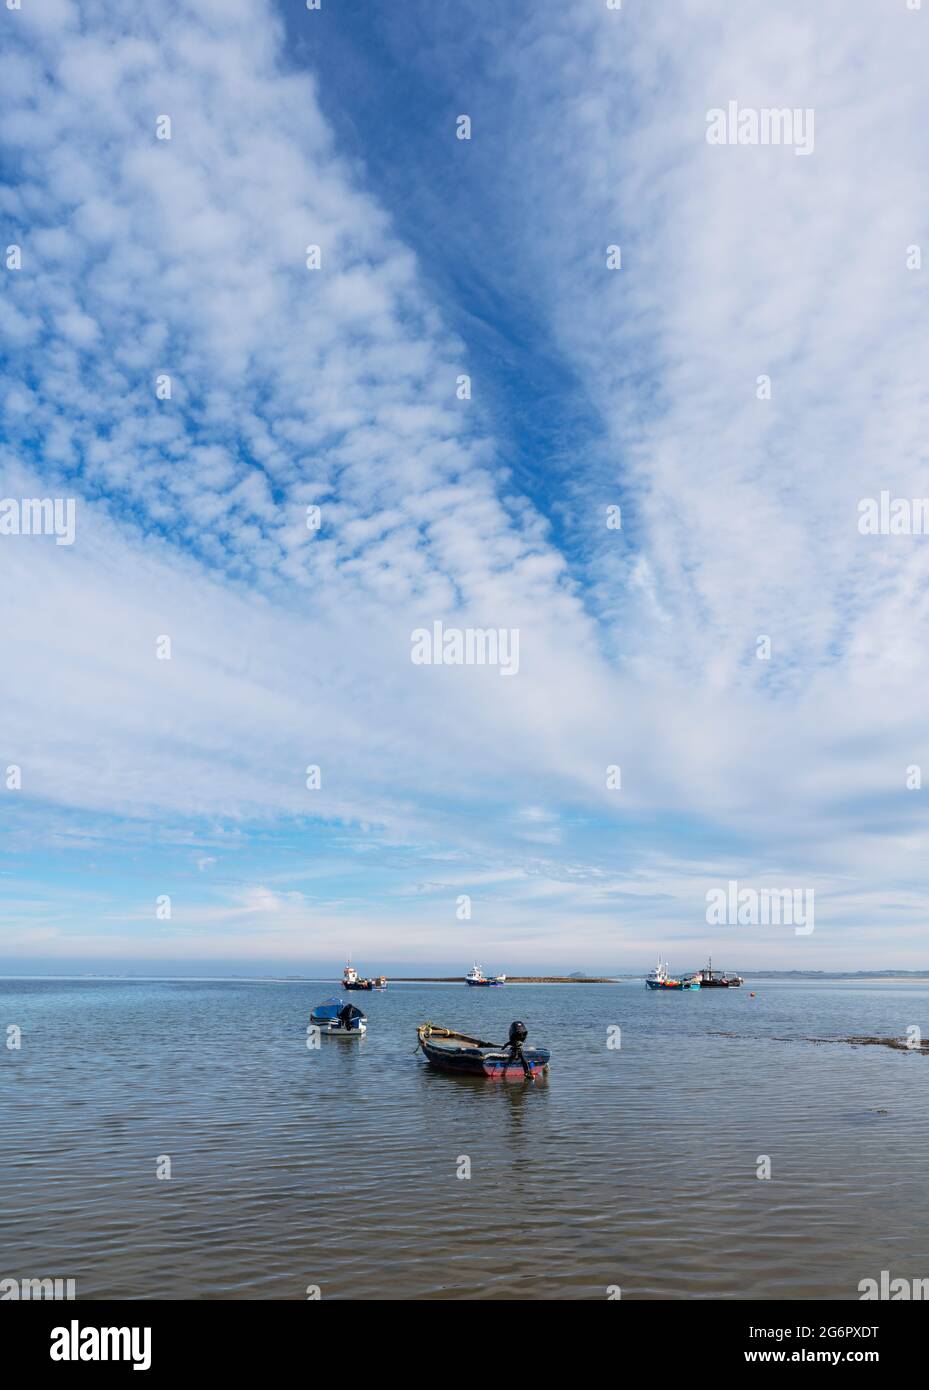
<point>379,982</point>
<point>660,979</point>
<point>338,1020</point>
<point>352,980</point>
<point>476,976</point>
<point>711,979</point>
<point>457,1052</point>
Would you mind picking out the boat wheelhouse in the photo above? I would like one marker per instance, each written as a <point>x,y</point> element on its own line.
<point>658,976</point>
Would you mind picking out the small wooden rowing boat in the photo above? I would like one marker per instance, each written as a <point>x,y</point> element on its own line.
<point>451,1051</point>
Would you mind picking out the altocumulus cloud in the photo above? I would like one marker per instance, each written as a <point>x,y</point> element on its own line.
<point>185,258</point>
<point>289,388</point>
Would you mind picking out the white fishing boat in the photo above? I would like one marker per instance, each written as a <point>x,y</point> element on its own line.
<point>352,980</point>
<point>337,1020</point>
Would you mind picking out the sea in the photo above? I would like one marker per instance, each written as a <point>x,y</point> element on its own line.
<point>174,1139</point>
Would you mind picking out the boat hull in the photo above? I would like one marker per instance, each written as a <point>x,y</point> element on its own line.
<point>335,1028</point>
<point>498,1067</point>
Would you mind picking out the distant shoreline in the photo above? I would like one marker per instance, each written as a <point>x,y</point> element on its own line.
<point>512,979</point>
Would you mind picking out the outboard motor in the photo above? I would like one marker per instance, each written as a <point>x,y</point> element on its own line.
<point>347,1016</point>
<point>518,1035</point>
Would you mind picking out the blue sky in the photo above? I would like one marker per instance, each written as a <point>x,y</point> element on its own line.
<point>336,388</point>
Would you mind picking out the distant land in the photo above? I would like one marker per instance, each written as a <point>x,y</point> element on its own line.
<point>512,979</point>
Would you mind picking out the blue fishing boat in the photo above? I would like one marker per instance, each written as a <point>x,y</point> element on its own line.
<point>338,1020</point>
<point>660,979</point>
<point>476,976</point>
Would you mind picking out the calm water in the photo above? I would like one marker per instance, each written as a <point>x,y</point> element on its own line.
<point>337,1167</point>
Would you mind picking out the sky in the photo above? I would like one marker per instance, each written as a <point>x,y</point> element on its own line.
<point>728,383</point>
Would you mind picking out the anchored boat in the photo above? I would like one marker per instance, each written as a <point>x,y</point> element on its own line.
<point>450,1051</point>
<point>660,979</point>
<point>714,979</point>
<point>476,976</point>
<point>338,1020</point>
<point>352,980</point>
